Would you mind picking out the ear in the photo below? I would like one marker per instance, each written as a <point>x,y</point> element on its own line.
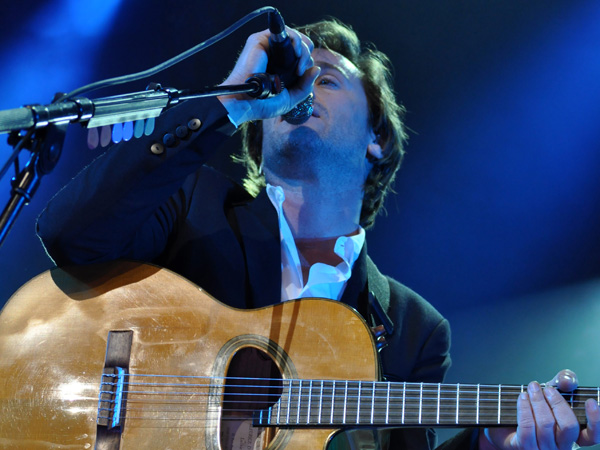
<point>374,150</point>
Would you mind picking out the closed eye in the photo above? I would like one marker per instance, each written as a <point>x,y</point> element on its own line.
<point>327,81</point>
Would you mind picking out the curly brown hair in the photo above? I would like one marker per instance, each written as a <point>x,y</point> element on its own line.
<point>385,115</point>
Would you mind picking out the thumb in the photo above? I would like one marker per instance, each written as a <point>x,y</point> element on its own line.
<point>565,380</point>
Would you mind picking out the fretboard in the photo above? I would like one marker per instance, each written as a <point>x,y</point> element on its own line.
<point>328,403</point>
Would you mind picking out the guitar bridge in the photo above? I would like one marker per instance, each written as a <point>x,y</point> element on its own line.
<point>112,399</point>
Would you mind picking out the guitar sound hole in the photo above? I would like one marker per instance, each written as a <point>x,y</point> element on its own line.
<point>253,382</point>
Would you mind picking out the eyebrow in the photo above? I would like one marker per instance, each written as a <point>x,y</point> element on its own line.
<point>327,65</point>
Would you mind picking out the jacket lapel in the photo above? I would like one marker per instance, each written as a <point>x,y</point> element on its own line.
<point>260,237</point>
<point>355,293</point>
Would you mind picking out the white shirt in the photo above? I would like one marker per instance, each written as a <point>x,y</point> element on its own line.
<point>324,281</point>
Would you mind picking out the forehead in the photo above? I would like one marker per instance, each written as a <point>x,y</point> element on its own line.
<point>328,59</point>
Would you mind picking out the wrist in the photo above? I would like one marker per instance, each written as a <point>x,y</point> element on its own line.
<point>238,110</point>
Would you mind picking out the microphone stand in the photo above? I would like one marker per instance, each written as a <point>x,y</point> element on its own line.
<point>46,126</point>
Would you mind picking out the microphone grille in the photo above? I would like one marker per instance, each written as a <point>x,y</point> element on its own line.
<point>301,112</point>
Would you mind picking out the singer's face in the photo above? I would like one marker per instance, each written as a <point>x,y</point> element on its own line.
<point>334,142</point>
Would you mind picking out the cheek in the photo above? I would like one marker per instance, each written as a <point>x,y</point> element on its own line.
<point>355,115</point>
<point>267,126</point>
<point>267,132</point>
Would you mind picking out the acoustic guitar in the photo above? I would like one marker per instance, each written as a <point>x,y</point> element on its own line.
<point>131,356</point>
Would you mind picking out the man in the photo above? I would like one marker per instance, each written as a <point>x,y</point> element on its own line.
<point>302,235</point>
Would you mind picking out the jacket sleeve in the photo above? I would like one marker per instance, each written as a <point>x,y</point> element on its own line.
<point>127,201</point>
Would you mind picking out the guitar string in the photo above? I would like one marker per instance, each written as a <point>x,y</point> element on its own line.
<point>415,386</point>
<point>434,395</point>
<point>424,389</point>
<point>393,383</point>
<point>378,409</point>
<point>354,394</point>
<point>367,387</point>
<point>484,406</point>
<point>466,409</point>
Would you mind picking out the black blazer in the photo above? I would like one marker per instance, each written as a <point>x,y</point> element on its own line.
<point>171,209</point>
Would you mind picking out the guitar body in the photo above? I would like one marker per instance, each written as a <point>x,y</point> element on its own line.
<point>53,343</point>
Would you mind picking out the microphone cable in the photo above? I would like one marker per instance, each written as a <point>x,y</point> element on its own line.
<point>171,62</point>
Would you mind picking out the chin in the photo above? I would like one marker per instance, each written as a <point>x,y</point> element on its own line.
<point>303,136</point>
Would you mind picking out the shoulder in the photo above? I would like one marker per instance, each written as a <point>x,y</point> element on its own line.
<point>406,301</point>
<point>417,319</point>
<point>418,349</point>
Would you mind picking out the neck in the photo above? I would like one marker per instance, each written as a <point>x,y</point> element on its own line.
<point>316,211</point>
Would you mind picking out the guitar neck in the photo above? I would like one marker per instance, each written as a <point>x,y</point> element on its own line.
<point>328,403</point>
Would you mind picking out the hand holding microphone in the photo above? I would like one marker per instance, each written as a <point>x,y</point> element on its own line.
<point>289,56</point>
<point>283,62</point>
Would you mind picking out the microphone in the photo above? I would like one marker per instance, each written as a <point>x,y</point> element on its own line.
<point>283,62</point>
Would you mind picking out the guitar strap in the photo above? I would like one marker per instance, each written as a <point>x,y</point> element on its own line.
<point>378,288</point>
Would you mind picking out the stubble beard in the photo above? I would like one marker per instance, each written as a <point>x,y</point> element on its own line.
<point>298,155</point>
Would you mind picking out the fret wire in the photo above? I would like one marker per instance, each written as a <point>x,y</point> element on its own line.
<point>499,401</point>
<point>403,401</point>
<point>438,404</point>
<point>278,403</point>
<point>358,404</point>
<point>387,404</point>
<point>477,413</point>
<point>309,402</point>
<point>420,402</point>
<point>279,411</point>
<point>320,403</point>
<point>345,401</point>
<point>457,401</point>
<point>299,398</point>
<point>373,402</point>
<point>287,421</point>
<point>571,400</point>
<point>332,401</point>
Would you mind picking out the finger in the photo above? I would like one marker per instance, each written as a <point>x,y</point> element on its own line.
<point>300,38</point>
<point>296,41</point>
<point>302,48</point>
<point>567,428</point>
<point>591,434</point>
<point>525,437</point>
<point>565,380</point>
<point>543,416</point>
<point>305,62</point>
<point>304,86</point>
<point>252,59</point>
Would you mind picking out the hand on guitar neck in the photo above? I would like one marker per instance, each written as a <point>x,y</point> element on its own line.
<point>546,421</point>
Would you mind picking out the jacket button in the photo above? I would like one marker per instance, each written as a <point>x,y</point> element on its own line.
<point>169,140</point>
<point>182,132</point>
<point>157,148</point>
<point>194,124</point>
